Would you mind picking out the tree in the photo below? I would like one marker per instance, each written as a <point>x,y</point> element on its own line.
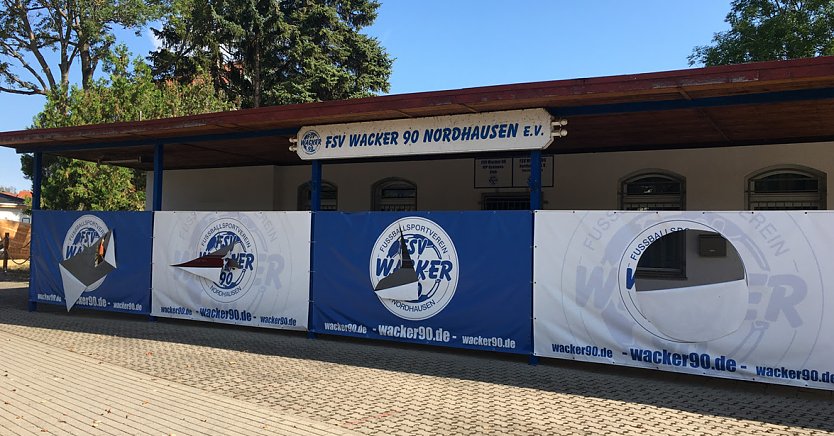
<point>762,30</point>
<point>265,52</point>
<point>73,29</point>
<point>127,94</point>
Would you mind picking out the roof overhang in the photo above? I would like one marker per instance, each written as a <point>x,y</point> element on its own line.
<point>747,104</point>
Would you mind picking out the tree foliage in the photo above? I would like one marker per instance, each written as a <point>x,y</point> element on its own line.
<point>762,30</point>
<point>129,93</point>
<point>266,52</point>
<point>73,29</point>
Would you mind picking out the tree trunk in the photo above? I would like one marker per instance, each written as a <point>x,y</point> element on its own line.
<point>87,65</point>
<point>256,76</point>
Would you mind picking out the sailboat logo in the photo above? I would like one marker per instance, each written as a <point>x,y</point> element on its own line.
<point>414,268</point>
<point>89,253</point>
<point>226,260</point>
<point>402,284</point>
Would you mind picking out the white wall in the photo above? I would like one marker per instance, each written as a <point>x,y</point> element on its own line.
<point>715,180</point>
<point>355,181</point>
<point>240,189</point>
<point>715,177</point>
<point>11,214</point>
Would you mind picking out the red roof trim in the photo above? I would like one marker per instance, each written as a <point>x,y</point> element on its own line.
<point>631,84</point>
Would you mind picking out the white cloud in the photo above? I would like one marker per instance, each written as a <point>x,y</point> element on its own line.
<point>156,42</point>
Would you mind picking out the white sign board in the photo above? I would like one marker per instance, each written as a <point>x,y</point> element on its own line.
<point>527,129</point>
<point>494,172</point>
<point>521,171</point>
<point>507,172</point>
<point>771,324</point>
<point>248,268</point>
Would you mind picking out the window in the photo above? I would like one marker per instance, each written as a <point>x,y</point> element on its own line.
<point>394,195</point>
<point>665,258</point>
<point>652,192</point>
<point>329,195</point>
<point>505,201</point>
<point>786,189</point>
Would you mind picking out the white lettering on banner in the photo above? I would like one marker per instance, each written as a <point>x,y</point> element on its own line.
<point>527,129</point>
<point>772,321</point>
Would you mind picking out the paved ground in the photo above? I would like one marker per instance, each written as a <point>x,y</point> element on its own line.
<point>45,389</point>
<point>385,388</point>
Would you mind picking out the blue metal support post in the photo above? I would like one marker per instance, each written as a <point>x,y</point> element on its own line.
<point>158,168</point>
<point>158,151</point>
<point>535,204</point>
<point>535,180</point>
<point>315,206</point>
<point>37,172</point>
<point>315,187</point>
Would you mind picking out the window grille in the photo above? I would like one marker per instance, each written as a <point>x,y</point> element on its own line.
<point>786,189</point>
<point>665,258</point>
<point>506,201</point>
<point>395,195</point>
<point>329,196</point>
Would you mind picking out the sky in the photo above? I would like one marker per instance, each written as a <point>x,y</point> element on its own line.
<point>452,44</point>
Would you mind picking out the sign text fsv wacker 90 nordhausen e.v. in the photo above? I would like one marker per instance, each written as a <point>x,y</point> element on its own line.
<point>528,129</point>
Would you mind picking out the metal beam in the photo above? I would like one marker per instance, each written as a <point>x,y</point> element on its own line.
<point>665,105</point>
<point>315,187</point>
<point>37,171</point>
<point>152,141</point>
<point>315,206</point>
<point>593,148</point>
<point>535,180</point>
<point>158,168</point>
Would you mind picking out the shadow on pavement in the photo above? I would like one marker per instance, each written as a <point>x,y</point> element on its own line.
<point>794,407</point>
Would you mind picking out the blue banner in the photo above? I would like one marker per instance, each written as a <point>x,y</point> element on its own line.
<point>457,279</point>
<point>92,260</point>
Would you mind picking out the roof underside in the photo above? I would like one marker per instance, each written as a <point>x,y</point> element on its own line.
<point>749,104</point>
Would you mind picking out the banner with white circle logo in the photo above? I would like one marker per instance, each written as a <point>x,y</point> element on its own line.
<point>92,260</point>
<point>737,295</point>
<point>248,268</point>
<point>458,279</point>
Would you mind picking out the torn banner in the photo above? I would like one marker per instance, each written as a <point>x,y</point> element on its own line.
<point>92,260</point>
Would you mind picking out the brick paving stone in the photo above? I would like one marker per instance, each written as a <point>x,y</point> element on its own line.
<point>378,388</point>
<point>45,389</point>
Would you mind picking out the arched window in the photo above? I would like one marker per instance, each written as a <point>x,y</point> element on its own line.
<point>786,189</point>
<point>394,195</point>
<point>329,196</point>
<point>652,191</point>
<point>665,258</point>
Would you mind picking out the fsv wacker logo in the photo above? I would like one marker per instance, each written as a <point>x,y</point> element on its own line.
<point>227,262</point>
<point>310,142</point>
<point>89,254</point>
<point>414,268</point>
